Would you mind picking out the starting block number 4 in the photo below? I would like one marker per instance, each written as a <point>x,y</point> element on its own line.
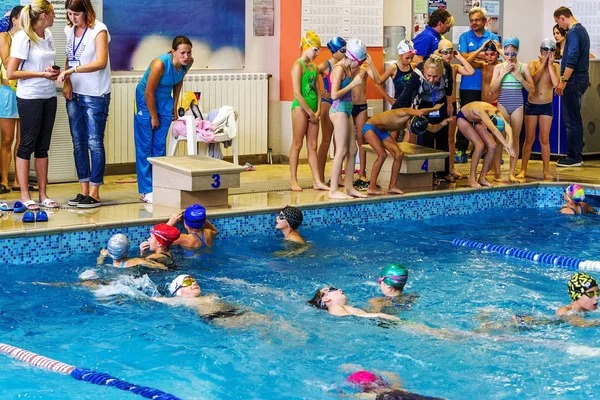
<point>424,167</point>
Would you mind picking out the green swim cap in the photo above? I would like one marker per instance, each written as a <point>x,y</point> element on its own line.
<point>394,275</point>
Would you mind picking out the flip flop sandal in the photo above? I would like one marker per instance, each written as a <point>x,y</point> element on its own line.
<point>49,203</point>
<point>28,217</point>
<point>41,216</point>
<point>4,189</point>
<point>19,207</point>
<point>5,207</point>
<point>31,205</point>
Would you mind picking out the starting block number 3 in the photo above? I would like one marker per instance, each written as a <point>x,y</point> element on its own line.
<point>425,166</point>
<point>217,181</point>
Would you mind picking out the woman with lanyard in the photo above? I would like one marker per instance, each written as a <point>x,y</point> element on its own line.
<point>9,115</point>
<point>87,91</point>
<point>31,61</point>
<point>155,108</point>
<point>430,84</point>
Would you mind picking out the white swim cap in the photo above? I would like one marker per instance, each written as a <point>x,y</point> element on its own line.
<point>356,50</point>
<point>406,46</point>
<point>118,246</point>
<point>176,285</point>
<point>88,275</point>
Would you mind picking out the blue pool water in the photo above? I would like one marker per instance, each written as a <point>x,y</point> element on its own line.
<point>299,356</point>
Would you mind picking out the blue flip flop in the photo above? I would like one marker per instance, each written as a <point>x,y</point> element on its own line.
<point>19,207</point>
<point>41,216</point>
<point>5,207</point>
<point>28,217</point>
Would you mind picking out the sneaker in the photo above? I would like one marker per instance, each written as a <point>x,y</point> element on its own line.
<point>362,185</point>
<point>76,200</point>
<point>569,162</point>
<point>89,202</point>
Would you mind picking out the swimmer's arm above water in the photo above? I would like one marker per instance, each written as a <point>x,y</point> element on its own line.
<point>363,314</point>
<point>578,321</point>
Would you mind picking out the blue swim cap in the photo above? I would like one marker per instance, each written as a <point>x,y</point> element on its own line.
<point>511,41</point>
<point>335,44</point>
<point>499,122</point>
<point>195,216</point>
<point>118,246</point>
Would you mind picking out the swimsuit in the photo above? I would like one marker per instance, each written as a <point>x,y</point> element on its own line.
<point>400,80</point>
<point>381,134</point>
<point>578,211</point>
<point>357,109</point>
<point>460,115</point>
<point>307,87</point>
<point>343,104</point>
<point>233,312</point>
<point>539,109</point>
<point>200,238</point>
<point>511,93</point>
<point>327,83</point>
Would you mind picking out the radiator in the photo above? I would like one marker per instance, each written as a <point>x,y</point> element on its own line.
<point>247,93</point>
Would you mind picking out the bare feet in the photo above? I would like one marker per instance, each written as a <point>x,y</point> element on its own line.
<point>498,178</point>
<point>320,186</point>
<point>547,176</point>
<point>522,174</point>
<point>473,184</point>
<point>339,195</point>
<point>355,193</point>
<point>456,175</point>
<point>375,191</point>
<point>394,190</point>
<point>513,179</point>
<point>295,187</point>
<point>483,182</point>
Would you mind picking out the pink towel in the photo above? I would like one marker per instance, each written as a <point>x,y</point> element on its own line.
<point>204,130</point>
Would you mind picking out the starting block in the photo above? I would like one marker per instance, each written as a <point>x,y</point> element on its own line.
<point>418,165</point>
<point>179,182</point>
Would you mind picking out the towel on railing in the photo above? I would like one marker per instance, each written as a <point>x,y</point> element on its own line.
<point>204,130</point>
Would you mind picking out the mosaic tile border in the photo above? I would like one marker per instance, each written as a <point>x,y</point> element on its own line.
<point>43,249</point>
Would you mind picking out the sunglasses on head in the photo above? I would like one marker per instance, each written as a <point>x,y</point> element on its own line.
<point>187,282</point>
<point>511,54</point>
<point>591,294</point>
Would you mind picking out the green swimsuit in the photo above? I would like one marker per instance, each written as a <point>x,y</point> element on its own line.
<point>307,87</point>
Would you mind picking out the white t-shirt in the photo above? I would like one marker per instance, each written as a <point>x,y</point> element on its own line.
<point>37,57</point>
<point>81,51</point>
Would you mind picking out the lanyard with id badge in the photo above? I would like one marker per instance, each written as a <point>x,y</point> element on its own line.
<point>436,113</point>
<point>74,60</point>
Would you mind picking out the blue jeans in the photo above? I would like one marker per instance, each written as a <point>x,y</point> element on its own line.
<point>87,119</point>
<point>571,103</point>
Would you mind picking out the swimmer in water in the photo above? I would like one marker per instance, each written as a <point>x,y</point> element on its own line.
<point>186,292</point>
<point>117,249</point>
<point>334,301</point>
<point>583,290</point>
<point>200,231</point>
<point>288,221</point>
<point>574,196</point>
<point>392,280</point>
<point>162,236</point>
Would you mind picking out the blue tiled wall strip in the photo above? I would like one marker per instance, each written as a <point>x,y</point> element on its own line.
<point>42,249</point>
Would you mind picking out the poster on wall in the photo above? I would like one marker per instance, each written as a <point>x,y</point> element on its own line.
<point>419,23</point>
<point>142,31</point>
<point>468,4</point>
<point>264,18</point>
<point>492,7</point>
<point>435,4</point>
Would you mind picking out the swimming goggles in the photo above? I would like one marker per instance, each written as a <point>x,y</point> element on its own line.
<point>320,303</point>
<point>330,289</point>
<point>591,294</point>
<point>447,51</point>
<point>547,49</point>
<point>187,282</point>
<point>511,54</point>
<point>397,279</point>
<point>342,50</point>
<point>282,216</point>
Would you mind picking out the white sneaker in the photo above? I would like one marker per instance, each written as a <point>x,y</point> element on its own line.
<point>147,198</point>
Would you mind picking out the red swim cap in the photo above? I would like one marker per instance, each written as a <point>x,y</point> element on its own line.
<point>165,234</point>
<point>366,380</point>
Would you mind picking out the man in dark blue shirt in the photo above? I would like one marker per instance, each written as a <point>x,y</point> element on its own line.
<point>574,81</point>
<point>426,42</point>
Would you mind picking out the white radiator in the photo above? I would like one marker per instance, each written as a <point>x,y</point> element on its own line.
<point>247,93</point>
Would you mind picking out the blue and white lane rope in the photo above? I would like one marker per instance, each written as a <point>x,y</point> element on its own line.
<point>82,374</point>
<point>559,261</point>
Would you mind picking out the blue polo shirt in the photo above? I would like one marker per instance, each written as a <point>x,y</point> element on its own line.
<point>468,43</point>
<point>426,42</point>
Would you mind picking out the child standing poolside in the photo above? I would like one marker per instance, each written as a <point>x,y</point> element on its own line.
<point>288,221</point>
<point>574,196</point>
<point>200,232</point>
<point>583,290</point>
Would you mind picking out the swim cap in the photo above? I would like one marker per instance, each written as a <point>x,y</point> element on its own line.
<point>335,44</point>
<point>195,216</point>
<point>394,275</point>
<point>406,46</point>
<point>575,193</point>
<point>165,234</point>
<point>118,246</point>
<point>579,284</point>
<point>356,50</point>
<point>548,44</point>
<point>490,46</point>
<point>88,275</point>
<point>177,283</point>
<point>367,380</point>
<point>293,216</point>
<point>511,41</point>
<point>310,39</point>
<point>418,125</point>
<point>498,122</point>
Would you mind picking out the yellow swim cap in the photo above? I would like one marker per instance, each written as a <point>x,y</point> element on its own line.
<point>310,39</point>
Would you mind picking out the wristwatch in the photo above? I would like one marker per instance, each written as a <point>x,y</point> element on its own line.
<point>562,79</point>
